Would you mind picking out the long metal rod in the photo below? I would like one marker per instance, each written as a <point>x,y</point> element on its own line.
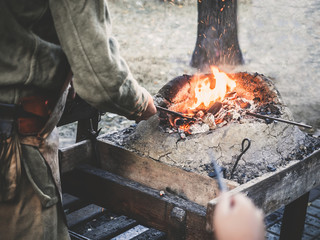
<point>175,113</point>
<point>221,183</point>
<point>278,119</point>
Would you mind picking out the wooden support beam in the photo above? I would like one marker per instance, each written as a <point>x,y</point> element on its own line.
<point>71,203</point>
<point>135,200</point>
<point>151,234</point>
<point>192,186</point>
<point>177,220</point>
<point>293,219</point>
<point>83,215</point>
<point>79,153</point>
<point>274,190</point>
<point>111,228</point>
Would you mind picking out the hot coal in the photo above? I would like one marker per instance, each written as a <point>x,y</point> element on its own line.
<point>253,92</point>
<point>271,168</point>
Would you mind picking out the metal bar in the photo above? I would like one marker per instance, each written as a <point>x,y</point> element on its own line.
<point>221,183</point>
<point>278,119</point>
<point>175,113</point>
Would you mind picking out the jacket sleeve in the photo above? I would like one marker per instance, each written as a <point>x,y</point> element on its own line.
<point>101,76</point>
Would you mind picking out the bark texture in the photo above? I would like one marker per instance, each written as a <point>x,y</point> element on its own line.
<point>217,39</point>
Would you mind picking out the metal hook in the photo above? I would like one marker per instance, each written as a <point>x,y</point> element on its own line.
<point>243,150</point>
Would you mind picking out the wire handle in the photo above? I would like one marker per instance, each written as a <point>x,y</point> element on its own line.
<point>243,150</point>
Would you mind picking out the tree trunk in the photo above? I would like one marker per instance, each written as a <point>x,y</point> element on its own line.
<point>217,40</point>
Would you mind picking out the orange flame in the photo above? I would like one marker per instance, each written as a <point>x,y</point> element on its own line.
<point>206,95</point>
<point>204,91</point>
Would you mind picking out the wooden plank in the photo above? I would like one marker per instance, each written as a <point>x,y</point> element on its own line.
<point>133,199</point>
<point>78,153</point>
<point>84,214</point>
<point>68,200</point>
<point>271,236</point>
<point>314,194</point>
<point>192,186</point>
<point>274,190</point>
<point>307,237</point>
<point>71,203</point>
<point>316,203</point>
<point>274,217</point>
<point>111,229</point>
<point>151,234</point>
<point>309,230</point>
<point>195,232</point>
<point>275,228</point>
<point>313,211</point>
<point>312,221</point>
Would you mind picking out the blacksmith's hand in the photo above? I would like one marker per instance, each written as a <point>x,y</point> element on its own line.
<point>150,110</point>
<point>237,218</point>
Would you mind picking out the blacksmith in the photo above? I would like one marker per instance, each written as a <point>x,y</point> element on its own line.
<point>41,43</point>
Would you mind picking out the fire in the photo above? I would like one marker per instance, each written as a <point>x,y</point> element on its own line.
<point>205,94</point>
<point>205,91</point>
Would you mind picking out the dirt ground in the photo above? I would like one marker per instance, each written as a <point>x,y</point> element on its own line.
<point>156,39</point>
<point>281,41</point>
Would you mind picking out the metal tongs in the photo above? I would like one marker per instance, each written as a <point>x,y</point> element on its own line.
<point>215,108</point>
<point>175,113</point>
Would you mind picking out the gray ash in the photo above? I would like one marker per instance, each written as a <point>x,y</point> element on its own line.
<point>309,146</point>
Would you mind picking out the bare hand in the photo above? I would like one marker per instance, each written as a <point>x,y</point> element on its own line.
<point>236,218</point>
<point>150,110</point>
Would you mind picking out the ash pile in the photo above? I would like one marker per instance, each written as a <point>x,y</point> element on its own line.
<point>216,123</point>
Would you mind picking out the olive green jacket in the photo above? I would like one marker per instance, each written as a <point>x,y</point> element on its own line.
<point>39,39</point>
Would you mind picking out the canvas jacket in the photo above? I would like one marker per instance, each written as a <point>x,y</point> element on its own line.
<point>39,39</point>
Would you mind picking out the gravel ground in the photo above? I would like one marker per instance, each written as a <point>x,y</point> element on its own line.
<point>280,40</point>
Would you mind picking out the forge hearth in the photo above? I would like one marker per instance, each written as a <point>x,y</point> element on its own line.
<point>213,100</point>
<point>185,146</point>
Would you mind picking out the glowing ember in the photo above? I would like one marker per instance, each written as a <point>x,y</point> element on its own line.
<point>201,103</point>
<point>206,91</point>
<point>206,94</point>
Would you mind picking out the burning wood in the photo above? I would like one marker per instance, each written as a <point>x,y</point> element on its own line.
<point>213,100</point>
